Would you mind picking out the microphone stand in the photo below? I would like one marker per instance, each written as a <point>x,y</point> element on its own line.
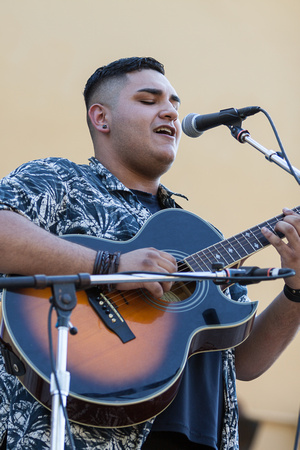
<point>243,136</point>
<point>64,301</point>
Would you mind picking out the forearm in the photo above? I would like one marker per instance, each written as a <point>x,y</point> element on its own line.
<point>273,330</point>
<point>26,249</point>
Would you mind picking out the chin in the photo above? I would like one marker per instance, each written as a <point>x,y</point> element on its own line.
<point>166,166</point>
<point>168,159</point>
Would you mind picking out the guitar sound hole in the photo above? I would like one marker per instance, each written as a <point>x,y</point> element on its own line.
<point>180,291</point>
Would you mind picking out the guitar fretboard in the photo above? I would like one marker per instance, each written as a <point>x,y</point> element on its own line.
<point>230,251</point>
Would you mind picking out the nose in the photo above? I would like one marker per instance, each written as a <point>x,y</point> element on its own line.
<point>169,112</point>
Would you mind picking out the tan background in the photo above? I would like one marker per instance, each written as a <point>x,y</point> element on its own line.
<point>218,54</point>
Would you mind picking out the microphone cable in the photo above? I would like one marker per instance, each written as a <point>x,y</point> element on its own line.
<point>282,154</point>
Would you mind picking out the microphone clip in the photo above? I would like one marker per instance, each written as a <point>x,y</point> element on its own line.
<point>238,133</point>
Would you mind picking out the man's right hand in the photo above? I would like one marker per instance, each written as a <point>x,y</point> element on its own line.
<point>147,260</point>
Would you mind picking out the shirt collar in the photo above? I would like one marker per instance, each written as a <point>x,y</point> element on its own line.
<point>112,183</point>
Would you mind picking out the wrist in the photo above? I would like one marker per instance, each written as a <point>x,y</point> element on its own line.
<point>292,294</point>
<point>106,263</point>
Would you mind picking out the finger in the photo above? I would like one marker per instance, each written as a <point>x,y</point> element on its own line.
<point>168,256</point>
<point>163,266</point>
<point>291,216</point>
<point>290,227</point>
<point>148,260</point>
<point>288,251</point>
<point>167,262</point>
<point>293,221</point>
<point>272,238</point>
<point>289,212</point>
<point>154,288</point>
<point>277,243</point>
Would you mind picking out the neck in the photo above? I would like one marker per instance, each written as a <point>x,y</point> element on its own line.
<point>132,179</point>
<point>151,188</point>
<point>139,184</point>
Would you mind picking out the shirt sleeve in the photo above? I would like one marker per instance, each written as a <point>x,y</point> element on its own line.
<point>35,191</point>
<point>239,293</point>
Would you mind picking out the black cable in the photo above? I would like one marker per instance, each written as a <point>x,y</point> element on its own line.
<point>283,152</point>
<point>284,155</point>
<point>53,368</point>
<point>297,439</point>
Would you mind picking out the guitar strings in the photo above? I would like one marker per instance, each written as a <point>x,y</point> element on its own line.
<point>135,294</point>
<point>230,252</point>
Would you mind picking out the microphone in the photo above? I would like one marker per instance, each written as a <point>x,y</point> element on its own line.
<point>193,125</point>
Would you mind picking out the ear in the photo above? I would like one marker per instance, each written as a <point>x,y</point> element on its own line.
<point>98,117</point>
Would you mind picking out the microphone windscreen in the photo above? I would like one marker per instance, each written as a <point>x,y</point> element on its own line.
<point>188,127</point>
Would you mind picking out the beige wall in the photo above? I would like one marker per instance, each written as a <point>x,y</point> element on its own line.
<point>218,54</point>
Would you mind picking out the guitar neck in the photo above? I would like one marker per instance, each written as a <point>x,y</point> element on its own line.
<point>231,251</point>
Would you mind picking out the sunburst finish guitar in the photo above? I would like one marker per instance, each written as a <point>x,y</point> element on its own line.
<point>128,357</point>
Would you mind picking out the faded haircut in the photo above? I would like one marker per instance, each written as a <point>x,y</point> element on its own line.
<point>116,70</point>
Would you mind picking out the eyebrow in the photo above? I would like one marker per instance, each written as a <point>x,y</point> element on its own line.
<point>159,92</point>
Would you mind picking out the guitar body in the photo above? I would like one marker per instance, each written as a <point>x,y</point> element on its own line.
<point>116,383</point>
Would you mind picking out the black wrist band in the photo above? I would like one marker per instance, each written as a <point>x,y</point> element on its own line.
<point>292,294</point>
<point>106,263</point>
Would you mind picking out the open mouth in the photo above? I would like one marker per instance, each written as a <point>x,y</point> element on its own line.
<point>169,131</point>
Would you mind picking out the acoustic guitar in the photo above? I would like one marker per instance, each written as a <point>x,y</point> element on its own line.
<point>127,360</point>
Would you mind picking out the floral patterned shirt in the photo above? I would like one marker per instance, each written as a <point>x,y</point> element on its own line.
<point>66,198</point>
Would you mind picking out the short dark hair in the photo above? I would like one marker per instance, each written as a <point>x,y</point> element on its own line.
<point>117,69</point>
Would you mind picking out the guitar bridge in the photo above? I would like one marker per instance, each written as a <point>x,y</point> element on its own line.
<point>110,316</point>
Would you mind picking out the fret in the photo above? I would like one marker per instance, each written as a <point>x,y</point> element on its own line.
<point>221,253</point>
<point>256,242</point>
<point>246,247</point>
<point>198,262</point>
<point>236,248</point>
<point>271,226</point>
<point>228,252</point>
<point>247,236</point>
<point>214,255</point>
<point>261,241</point>
<point>205,261</point>
<point>232,250</point>
<point>205,258</point>
<point>241,249</point>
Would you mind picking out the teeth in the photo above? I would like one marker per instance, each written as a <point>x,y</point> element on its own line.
<point>164,130</point>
